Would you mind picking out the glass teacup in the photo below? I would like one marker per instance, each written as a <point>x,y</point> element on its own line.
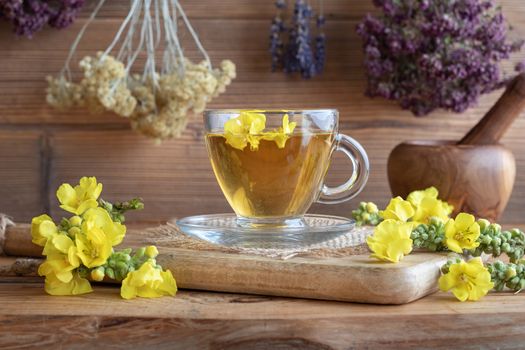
<point>271,164</point>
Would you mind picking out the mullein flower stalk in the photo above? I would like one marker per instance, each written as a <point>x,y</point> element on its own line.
<point>81,249</point>
<point>494,241</point>
<point>430,236</point>
<point>118,209</point>
<point>503,275</point>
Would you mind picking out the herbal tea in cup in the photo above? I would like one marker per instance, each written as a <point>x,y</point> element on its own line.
<point>271,165</point>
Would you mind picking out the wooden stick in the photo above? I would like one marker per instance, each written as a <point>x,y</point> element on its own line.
<point>18,242</point>
<point>496,122</point>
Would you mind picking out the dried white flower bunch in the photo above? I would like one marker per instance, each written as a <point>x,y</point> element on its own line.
<point>157,102</point>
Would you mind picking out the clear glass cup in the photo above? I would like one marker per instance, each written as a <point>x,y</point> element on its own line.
<point>271,164</point>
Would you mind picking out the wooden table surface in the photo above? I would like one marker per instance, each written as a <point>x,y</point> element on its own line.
<point>205,320</point>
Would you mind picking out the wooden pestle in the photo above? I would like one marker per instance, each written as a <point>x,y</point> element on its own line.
<point>500,117</point>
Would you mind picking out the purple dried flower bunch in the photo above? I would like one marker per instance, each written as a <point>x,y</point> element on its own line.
<point>295,53</point>
<point>30,16</point>
<point>429,54</point>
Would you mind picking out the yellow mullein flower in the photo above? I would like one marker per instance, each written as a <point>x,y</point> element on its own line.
<point>462,233</point>
<point>42,227</point>
<point>431,207</point>
<point>245,129</point>
<point>468,280</point>
<point>398,209</point>
<point>281,135</point>
<point>391,240</point>
<point>97,237</point>
<point>99,218</point>
<point>93,248</point>
<point>148,282</point>
<point>61,258</point>
<point>77,285</point>
<point>80,198</point>
<point>415,197</point>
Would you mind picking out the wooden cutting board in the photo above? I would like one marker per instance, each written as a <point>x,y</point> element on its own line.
<point>353,278</point>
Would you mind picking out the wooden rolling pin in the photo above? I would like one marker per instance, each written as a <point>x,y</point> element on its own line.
<point>500,117</point>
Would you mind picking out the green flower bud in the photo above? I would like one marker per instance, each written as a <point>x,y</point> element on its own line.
<point>497,251</point>
<point>139,253</point>
<point>110,273</point>
<point>75,221</point>
<point>73,231</point>
<point>371,207</point>
<point>365,217</point>
<point>98,274</point>
<point>486,239</point>
<point>511,272</point>
<point>483,224</point>
<point>500,266</point>
<point>522,284</point>
<point>505,247</point>
<point>499,286</point>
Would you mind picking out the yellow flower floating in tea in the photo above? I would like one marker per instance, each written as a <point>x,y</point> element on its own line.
<point>248,128</point>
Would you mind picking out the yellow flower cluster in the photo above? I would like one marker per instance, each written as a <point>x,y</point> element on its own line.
<point>248,128</point>
<point>157,109</point>
<point>82,245</point>
<point>391,239</point>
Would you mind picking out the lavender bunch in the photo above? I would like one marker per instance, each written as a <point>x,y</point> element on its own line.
<point>320,45</point>
<point>276,30</point>
<point>30,16</point>
<point>435,54</point>
<point>297,55</point>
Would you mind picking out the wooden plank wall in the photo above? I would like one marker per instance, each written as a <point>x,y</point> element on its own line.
<point>41,148</point>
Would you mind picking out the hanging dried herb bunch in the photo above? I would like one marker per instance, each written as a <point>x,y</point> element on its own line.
<point>291,43</point>
<point>30,16</point>
<point>429,54</point>
<point>157,100</point>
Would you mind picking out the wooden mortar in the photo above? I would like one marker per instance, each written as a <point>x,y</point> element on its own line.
<point>476,174</point>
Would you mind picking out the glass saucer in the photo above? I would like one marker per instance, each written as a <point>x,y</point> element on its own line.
<point>223,229</point>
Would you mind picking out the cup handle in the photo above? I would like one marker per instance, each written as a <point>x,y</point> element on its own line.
<point>356,182</point>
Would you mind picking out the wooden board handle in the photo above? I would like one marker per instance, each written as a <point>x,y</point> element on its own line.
<point>495,123</point>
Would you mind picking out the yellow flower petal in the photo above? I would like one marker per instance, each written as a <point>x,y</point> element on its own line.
<point>416,197</point>
<point>148,282</point>
<point>430,207</point>
<point>398,209</point>
<point>75,286</point>
<point>391,240</point>
<point>42,227</point>
<point>81,198</point>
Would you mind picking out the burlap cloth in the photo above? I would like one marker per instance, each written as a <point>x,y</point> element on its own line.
<point>352,243</point>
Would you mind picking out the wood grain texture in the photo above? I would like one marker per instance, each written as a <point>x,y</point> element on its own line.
<point>231,321</point>
<point>178,185</point>
<point>22,173</point>
<point>350,278</point>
